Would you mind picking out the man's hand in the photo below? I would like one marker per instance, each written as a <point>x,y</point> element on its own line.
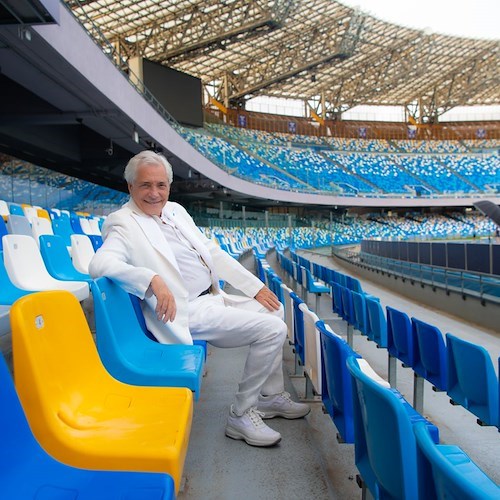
<point>165,307</point>
<point>267,299</point>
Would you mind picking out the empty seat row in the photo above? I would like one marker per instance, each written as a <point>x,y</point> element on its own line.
<point>408,463</point>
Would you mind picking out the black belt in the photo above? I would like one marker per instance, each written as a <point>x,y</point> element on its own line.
<point>205,292</point>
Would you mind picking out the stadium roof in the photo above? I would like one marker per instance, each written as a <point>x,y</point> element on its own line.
<point>333,56</point>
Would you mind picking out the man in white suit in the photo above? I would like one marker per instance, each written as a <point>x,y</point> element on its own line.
<point>154,250</point>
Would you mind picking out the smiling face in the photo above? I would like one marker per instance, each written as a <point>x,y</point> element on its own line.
<point>150,188</point>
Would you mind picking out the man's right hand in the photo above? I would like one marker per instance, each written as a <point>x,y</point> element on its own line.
<point>165,307</point>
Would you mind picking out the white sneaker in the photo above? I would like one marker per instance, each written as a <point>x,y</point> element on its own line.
<point>281,405</point>
<point>251,428</point>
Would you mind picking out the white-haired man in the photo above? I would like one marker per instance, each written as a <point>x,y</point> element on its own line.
<point>154,250</point>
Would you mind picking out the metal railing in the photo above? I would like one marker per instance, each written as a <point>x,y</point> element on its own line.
<point>486,287</point>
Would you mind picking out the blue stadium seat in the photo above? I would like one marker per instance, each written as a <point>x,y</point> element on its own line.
<point>360,313</point>
<point>28,472</point>
<point>57,259</point>
<point>446,472</point>
<point>337,299</point>
<point>400,343</point>
<point>472,382</point>
<point>314,287</point>
<point>298,327</point>
<point>336,382</point>
<point>3,230</point>
<point>430,355</point>
<point>387,461</point>
<point>377,322</point>
<point>129,355</point>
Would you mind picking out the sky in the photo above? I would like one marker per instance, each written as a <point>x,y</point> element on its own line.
<point>465,18</point>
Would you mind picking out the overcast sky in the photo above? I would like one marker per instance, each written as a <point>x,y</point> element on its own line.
<point>466,18</point>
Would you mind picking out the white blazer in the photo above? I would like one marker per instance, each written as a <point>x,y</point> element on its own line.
<point>135,250</point>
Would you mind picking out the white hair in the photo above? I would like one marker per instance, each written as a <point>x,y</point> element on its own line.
<point>146,158</point>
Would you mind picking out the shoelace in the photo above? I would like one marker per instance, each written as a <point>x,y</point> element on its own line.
<point>255,416</point>
<point>286,396</point>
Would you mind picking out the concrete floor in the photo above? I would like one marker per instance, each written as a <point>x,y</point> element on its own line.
<point>309,463</point>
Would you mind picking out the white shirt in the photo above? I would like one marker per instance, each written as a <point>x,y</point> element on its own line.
<point>195,273</point>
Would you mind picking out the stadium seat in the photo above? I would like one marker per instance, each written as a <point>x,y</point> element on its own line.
<point>400,342</point>
<point>3,231</point>
<point>298,328</point>
<point>26,268</point>
<point>129,355</point>
<point>61,225</point>
<point>27,471</point>
<point>16,209</point>
<point>312,351</point>
<point>4,210</point>
<point>288,306</point>
<point>57,259</point>
<point>314,287</point>
<point>336,382</point>
<point>446,472</point>
<point>337,299</point>
<point>376,321</point>
<point>82,252</point>
<point>430,355</point>
<point>359,306</point>
<point>472,382</point>
<point>387,461</point>
<point>39,227</point>
<point>18,224</point>
<point>79,413</point>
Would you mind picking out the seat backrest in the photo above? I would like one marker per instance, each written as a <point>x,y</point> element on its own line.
<point>472,381</point>
<point>18,224</point>
<point>391,455</point>
<point>9,293</point>
<point>30,213</point>
<point>94,226</point>
<point>4,209</point>
<point>75,223</point>
<point>430,354</point>
<point>359,306</point>
<point>377,322</point>
<point>85,225</point>
<point>56,359</point>
<point>288,306</point>
<point>337,299</point>
<point>16,209</point>
<point>446,472</point>
<point>400,336</point>
<point>312,348</point>
<point>3,231</point>
<point>298,325</point>
<point>61,225</point>
<point>117,325</point>
<point>347,306</point>
<point>39,227</point>
<point>57,260</point>
<point>82,252</point>
<point>24,263</point>
<point>336,382</point>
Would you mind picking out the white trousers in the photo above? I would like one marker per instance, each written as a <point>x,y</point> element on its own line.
<point>244,323</point>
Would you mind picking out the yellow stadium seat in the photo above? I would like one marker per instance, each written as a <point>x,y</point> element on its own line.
<point>76,410</point>
<point>44,214</point>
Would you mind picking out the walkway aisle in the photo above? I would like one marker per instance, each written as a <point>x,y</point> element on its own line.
<point>307,463</point>
<point>456,425</point>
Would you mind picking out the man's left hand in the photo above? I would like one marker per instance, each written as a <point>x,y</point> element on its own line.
<point>268,299</point>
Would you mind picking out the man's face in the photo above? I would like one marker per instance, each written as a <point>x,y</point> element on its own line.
<point>150,188</point>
